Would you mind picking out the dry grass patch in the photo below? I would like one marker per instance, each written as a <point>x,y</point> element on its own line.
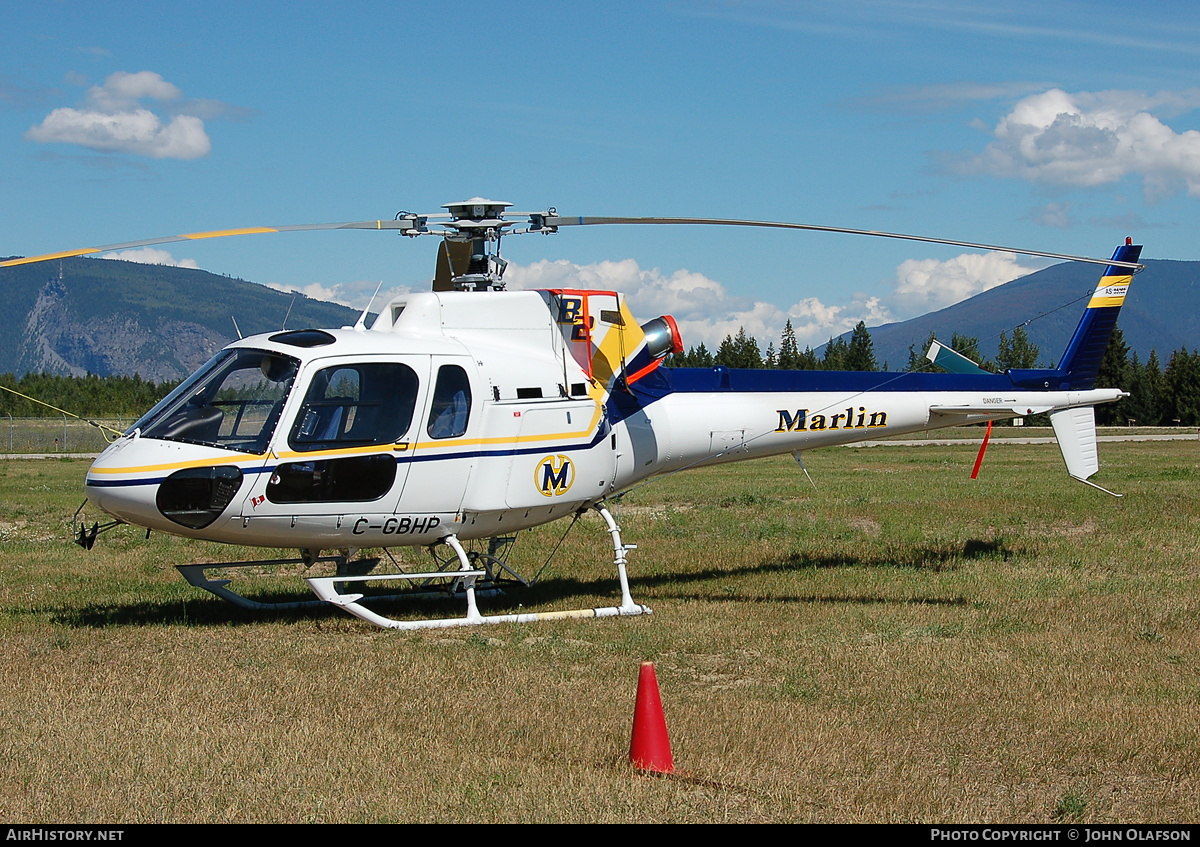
<point>900,644</point>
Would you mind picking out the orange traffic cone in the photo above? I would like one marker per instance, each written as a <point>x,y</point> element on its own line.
<point>650,748</point>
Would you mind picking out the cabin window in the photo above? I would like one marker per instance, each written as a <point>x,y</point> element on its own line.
<point>346,479</point>
<point>233,402</point>
<point>451,407</point>
<point>356,405</point>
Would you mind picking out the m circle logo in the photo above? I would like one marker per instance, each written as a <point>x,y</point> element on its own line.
<point>554,475</point>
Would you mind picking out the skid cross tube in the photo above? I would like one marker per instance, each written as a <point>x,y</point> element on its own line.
<point>324,587</point>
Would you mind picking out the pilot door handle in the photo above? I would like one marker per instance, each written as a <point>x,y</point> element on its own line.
<point>400,446</point>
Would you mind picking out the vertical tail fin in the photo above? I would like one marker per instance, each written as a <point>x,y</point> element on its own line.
<point>1075,430</point>
<point>1081,361</point>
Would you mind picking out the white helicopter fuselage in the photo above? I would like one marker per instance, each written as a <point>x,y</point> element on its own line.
<point>480,414</point>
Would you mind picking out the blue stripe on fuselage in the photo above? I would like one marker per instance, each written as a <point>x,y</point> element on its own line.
<point>698,380</point>
<point>720,380</point>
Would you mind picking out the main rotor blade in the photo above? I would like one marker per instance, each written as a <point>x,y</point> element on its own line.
<point>554,221</point>
<point>218,233</point>
<point>414,225</point>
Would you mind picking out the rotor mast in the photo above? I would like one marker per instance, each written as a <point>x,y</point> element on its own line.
<point>476,224</point>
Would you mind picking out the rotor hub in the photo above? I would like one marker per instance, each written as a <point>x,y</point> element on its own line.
<point>476,210</point>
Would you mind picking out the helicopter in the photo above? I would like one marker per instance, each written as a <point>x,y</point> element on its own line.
<point>467,413</point>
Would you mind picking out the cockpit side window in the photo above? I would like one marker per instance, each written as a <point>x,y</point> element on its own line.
<point>451,406</point>
<point>356,405</point>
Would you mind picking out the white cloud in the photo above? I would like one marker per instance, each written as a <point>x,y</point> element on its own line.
<point>122,90</point>
<point>683,294</point>
<point>114,121</point>
<point>925,285</point>
<point>931,98</point>
<point>704,309</point>
<point>815,323</point>
<point>1089,139</point>
<point>1053,214</point>
<point>353,294</point>
<point>150,256</point>
<point>139,132</point>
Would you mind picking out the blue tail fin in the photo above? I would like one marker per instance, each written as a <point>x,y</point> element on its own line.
<point>1081,362</point>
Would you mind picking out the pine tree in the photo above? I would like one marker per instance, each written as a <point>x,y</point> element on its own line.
<point>746,352</point>
<point>1114,373</point>
<point>726,353</point>
<point>836,352</point>
<point>860,353</point>
<point>789,352</point>
<point>1182,378</point>
<point>916,358</point>
<point>1156,391</point>
<point>1018,353</point>
<point>968,345</point>
<point>1139,407</point>
<point>808,360</point>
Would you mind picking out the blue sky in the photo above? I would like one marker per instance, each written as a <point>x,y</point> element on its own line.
<point>1053,126</point>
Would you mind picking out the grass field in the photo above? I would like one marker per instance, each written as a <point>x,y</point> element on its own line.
<point>901,644</point>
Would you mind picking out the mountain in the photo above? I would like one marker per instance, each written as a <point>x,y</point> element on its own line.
<point>1161,311</point>
<point>105,316</point>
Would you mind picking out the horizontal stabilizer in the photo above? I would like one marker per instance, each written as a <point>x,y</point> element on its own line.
<point>997,410</point>
<point>1075,430</point>
<point>951,360</point>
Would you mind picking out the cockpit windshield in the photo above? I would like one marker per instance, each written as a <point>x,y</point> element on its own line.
<point>233,402</point>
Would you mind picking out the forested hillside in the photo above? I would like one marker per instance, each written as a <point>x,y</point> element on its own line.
<point>99,316</point>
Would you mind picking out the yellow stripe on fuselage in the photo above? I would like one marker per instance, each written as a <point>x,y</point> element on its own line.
<point>253,461</point>
<point>451,445</point>
<point>1110,292</point>
<point>446,444</point>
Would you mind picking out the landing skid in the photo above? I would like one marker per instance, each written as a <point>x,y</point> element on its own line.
<point>326,589</point>
<point>195,574</point>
